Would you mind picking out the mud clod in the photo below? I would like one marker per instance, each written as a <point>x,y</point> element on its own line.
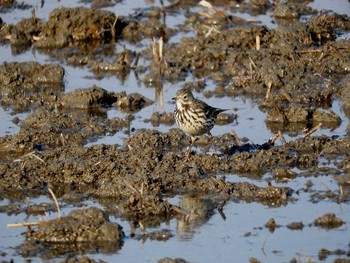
<point>162,118</point>
<point>271,224</point>
<point>87,98</point>
<point>133,102</point>
<point>86,229</point>
<point>329,221</point>
<point>29,84</point>
<point>80,259</point>
<point>170,260</point>
<point>89,225</point>
<point>161,235</point>
<point>295,226</point>
<point>284,174</point>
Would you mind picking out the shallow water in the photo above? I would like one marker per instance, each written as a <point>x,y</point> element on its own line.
<point>242,234</point>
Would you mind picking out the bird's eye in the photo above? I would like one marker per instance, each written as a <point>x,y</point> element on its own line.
<point>185,97</point>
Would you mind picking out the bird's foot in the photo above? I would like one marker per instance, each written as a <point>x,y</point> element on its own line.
<point>188,154</point>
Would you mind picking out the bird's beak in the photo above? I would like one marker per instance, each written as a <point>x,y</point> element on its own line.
<point>173,98</point>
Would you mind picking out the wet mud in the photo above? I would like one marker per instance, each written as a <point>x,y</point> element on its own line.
<point>295,73</point>
<point>81,230</point>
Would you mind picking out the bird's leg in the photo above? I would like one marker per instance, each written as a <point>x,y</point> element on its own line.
<point>189,149</point>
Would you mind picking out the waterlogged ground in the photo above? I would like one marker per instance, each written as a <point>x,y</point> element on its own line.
<point>86,117</point>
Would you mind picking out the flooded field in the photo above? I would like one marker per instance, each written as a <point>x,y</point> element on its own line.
<point>92,163</point>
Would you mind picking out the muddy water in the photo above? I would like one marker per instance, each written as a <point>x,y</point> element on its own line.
<point>218,219</point>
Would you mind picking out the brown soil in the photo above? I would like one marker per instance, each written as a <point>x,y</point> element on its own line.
<point>295,75</point>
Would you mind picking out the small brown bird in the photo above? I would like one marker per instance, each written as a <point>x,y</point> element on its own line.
<point>194,116</point>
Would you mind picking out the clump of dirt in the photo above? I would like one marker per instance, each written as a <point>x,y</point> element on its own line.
<point>161,235</point>
<point>271,224</point>
<point>88,225</point>
<point>75,117</point>
<point>30,85</point>
<point>40,209</point>
<point>344,180</point>
<point>87,98</point>
<point>137,30</point>
<point>324,253</point>
<point>80,259</point>
<point>44,129</point>
<point>323,27</point>
<point>284,175</point>
<point>161,118</point>
<point>297,114</point>
<point>96,97</point>
<point>133,102</point>
<point>11,209</point>
<point>7,5</point>
<point>66,26</point>
<point>81,26</point>
<point>170,260</point>
<point>295,226</point>
<point>329,221</point>
<point>84,229</point>
<point>35,209</point>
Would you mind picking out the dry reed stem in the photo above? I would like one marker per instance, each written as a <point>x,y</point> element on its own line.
<point>178,210</point>
<point>62,139</point>
<point>287,96</point>
<point>205,14</point>
<point>312,130</point>
<point>171,6</point>
<point>141,225</point>
<point>8,36</point>
<point>161,45</point>
<point>126,58</point>
<point>280,135</point>
<point>142,187</point>
<point>37,157</point>
<point>56,202</point>
<point>24,224</point>
<point>209,32</point>
<point>132,188</point>
<point>221,210</point>
<point>251,64</point>
<point>208,5</point>
<point>219,182</point>
<point>269,85</point>
<point>221,206</point>
<point>30,154</point>
<point>274,138</point>
<point>38,223</point>
<point>161,98</point>
<point>328,189</point>
<point>136,61</point>
<point>113,28</point>
<point>341,193</point>
<point>33,15</point>
<point>257,42</point>
<point>155,51</point>
<point>238,141</point>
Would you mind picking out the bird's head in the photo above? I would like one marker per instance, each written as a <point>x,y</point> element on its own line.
<point>183,98</point>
